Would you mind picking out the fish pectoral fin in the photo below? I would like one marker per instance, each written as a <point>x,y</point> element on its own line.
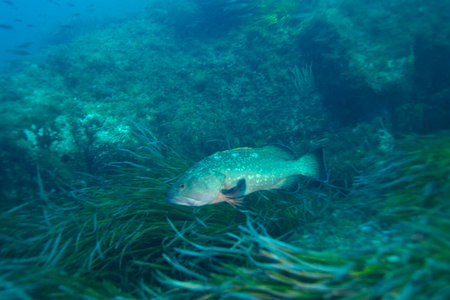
<point>236,196</point>
<point>238,191</point>
<point>290,185</point>
<point>239,203</point>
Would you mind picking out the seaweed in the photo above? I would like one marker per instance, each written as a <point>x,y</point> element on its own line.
<point>415,264</point>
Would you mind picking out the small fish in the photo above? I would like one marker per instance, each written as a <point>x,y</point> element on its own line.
<point>24,45</point>
<point>13,61</point>
<point>18,51</point>
<point>231,175</point>
<point>6,26</point>
<point>54,2</point>
<point>8,2</point>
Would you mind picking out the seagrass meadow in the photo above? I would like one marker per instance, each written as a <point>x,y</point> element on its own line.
<point>120,240</point>
<point>104,115</point>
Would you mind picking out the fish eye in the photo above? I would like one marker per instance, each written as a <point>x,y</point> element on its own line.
<point>182,186</point>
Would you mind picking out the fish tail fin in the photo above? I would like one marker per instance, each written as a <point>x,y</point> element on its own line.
<point>313,165</point>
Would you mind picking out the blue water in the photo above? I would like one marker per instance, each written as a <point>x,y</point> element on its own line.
<point>36,20</point>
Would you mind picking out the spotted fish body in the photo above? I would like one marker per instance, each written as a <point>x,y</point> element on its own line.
<point>229,176</point>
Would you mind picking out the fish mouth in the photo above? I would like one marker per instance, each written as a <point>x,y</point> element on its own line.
<point>181,200</point>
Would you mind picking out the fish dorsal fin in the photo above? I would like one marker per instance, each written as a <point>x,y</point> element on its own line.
<point>280,151</point>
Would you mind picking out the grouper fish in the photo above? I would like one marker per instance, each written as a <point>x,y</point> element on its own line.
<point>230,175</point>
